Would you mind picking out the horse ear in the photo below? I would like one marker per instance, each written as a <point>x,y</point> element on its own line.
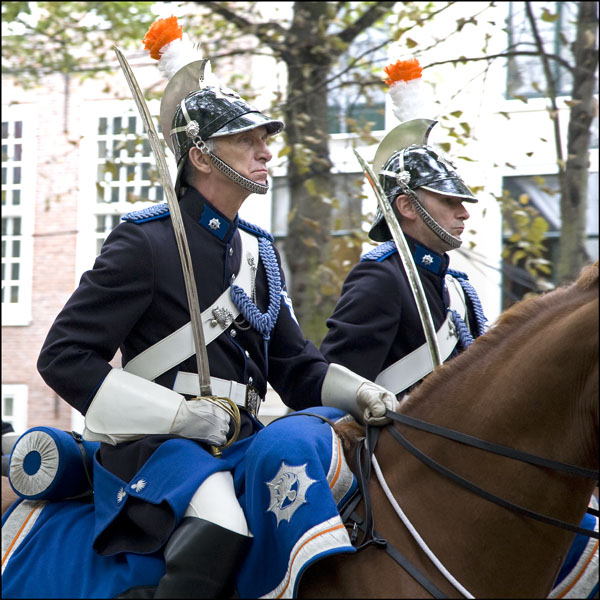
<point>588,277</point>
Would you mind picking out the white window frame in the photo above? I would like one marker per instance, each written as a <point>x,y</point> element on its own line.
<point>19,313</point>
<point>19,393</point>
<point>89,208</point>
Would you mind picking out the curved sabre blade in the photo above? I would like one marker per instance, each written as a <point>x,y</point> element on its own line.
<point>407,260</point>
<point>182,245</point>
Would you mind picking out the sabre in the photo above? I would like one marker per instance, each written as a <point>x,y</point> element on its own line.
<point>408,262</point>
<point>184,251</point>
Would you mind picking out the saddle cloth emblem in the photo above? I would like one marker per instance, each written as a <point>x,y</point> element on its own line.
<point>288,491</point>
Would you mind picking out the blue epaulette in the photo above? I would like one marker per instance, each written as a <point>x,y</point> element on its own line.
<point>255,229</point>
<point>381,252</point>
<point>157,211</point>
<point>457,274</point>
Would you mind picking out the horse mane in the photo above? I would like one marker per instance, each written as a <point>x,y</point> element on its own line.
<point>525,315</point>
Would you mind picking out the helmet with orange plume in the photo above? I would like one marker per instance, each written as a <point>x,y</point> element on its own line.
<point>403,160</point>
<point>196,106</point>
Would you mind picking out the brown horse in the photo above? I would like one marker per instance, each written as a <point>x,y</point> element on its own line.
<point>530,383</point>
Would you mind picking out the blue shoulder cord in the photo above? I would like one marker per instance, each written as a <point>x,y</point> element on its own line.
<point>464,335</point>
<point>262,322</point>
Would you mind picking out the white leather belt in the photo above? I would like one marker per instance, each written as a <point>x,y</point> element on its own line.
<point>415,365</point>
<point>179,345</point>
<point>243,395</point>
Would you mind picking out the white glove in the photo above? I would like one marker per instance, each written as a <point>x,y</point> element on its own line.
<point>363,399</point>
<point>127,407</point>
<point>203,420</point>
<point>374,400</point>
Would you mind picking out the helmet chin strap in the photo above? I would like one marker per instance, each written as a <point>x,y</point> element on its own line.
<point>247,184</point>
<point>252,186</point>
<point>444,235</point>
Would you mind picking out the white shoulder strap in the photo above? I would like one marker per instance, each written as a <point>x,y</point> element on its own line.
<point>414,366</point>
<point>179,345</point>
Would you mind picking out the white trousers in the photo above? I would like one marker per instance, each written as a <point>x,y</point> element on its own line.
<point>215,501</point>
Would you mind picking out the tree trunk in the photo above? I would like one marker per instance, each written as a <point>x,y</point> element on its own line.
<point>308,243</point>
<point>572,255</point>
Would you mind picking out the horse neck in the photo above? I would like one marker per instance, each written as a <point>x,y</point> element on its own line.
<point>527,390</point>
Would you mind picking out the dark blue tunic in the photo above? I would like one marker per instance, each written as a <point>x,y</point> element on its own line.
<point>134,297</point>
<point>376,321</point>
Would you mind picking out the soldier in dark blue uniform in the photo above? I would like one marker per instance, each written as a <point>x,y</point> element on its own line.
<point>134,300</point>
<point>375,329</point>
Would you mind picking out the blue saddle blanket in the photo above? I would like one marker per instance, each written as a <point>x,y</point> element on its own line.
<point>294,478</point>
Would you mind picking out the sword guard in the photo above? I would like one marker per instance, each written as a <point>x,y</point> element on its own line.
<point>230,407</point>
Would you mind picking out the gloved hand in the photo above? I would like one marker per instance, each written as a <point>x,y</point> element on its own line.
<point>202,420</point>
<point>363,399</point>
<point>128,407</point>
<point>374,400</point>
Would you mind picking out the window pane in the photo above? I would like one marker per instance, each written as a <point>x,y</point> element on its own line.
<point>18,129</point>
<point>14,272</point>
<point>14,294</point>
<point>16,197</point>
<point>16,249</point>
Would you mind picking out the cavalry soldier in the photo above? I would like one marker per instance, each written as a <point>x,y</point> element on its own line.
<point>376,329</point>
<point>153,484</point>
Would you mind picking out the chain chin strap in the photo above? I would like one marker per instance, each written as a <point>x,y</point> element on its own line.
<point>446,237</point>
<point>247,184</point>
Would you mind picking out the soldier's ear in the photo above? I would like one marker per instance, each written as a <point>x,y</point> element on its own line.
<point>405,207</point>
<point>199,160</point>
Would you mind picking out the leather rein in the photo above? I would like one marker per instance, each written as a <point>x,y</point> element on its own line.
<point>366,450</point>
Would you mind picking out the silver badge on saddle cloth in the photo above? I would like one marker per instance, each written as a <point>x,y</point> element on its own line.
<point>288,490</point>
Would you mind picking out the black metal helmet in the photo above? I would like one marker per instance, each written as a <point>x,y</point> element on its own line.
<point>192,113</point>
<point>413,166</point>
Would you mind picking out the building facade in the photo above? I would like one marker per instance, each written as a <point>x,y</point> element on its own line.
<point>74,159</point>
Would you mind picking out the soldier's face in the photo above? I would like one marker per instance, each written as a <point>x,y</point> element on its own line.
<point>246,152</point>
<point>448,211</point>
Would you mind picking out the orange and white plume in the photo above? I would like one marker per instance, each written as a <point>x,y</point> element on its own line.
<point>167,43</point>
<point>406,89</point>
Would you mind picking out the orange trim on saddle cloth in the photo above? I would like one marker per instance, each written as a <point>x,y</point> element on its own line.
<point>310,539</point>
<point>581,572</point>
<point>24,529</point>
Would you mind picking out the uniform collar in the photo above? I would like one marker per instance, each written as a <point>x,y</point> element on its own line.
<point>207,216</point>
<point>428,259</point>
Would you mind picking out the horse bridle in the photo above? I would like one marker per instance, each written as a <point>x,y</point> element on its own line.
<point>496,449</point>
<point>363,460</point>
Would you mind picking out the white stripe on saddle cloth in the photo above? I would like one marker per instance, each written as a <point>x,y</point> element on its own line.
<point>18,525</point>
<point>583,578</point>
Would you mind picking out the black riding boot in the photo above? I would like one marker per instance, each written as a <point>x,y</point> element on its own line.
<point>201,561</point>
